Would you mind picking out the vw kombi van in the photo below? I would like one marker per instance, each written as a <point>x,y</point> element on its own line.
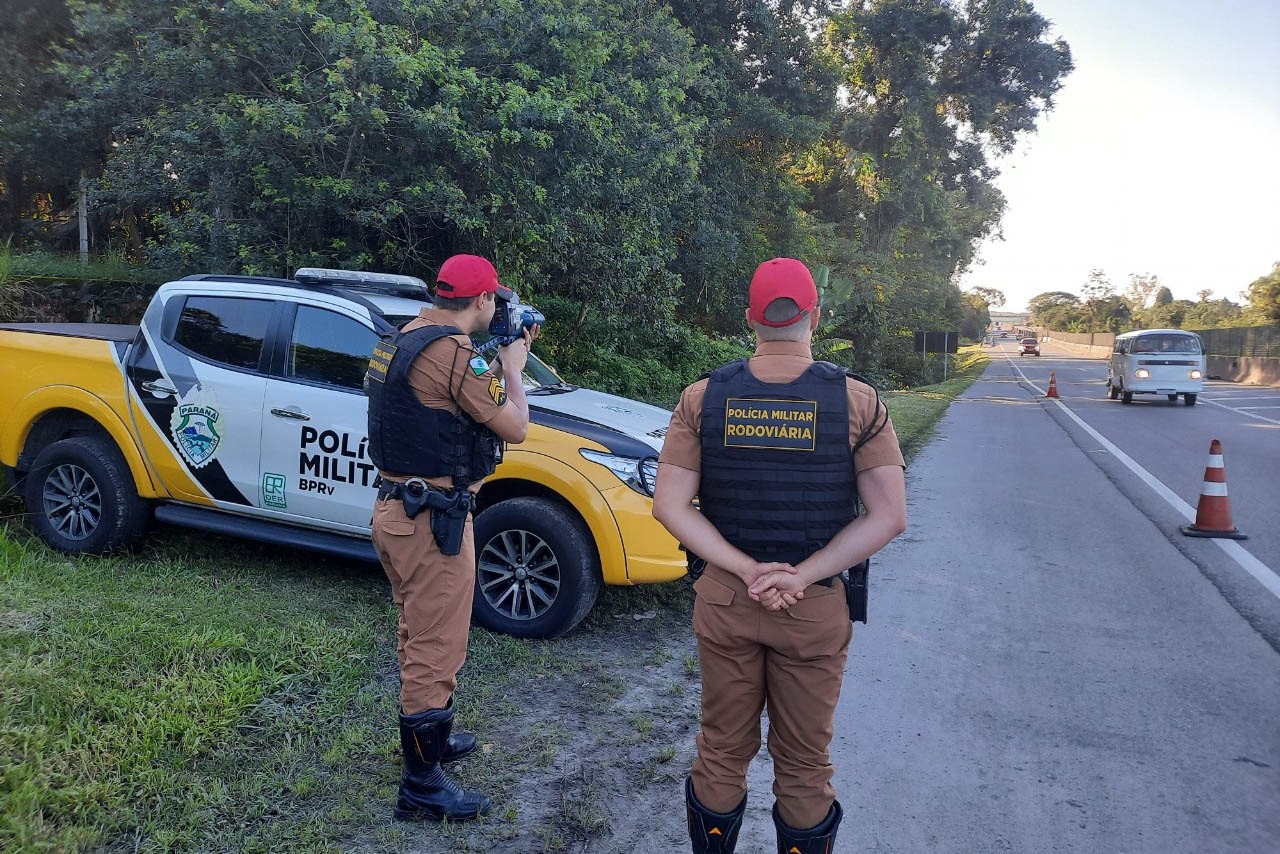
<point>1156,361</point>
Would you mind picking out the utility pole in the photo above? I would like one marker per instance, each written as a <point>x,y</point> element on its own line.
<point>84,220</point>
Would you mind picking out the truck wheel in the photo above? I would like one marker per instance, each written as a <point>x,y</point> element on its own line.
<point>1126,396</point>
<point>536,569</point>
<point>1112,391</point>
<point>81,498</point>
<point>1190,399</point>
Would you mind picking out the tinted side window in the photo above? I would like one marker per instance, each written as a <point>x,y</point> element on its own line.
<point>229,330</point>
<point>329,348</point>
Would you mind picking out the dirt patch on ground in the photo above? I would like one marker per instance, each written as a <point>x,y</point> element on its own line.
<point>590,760</point>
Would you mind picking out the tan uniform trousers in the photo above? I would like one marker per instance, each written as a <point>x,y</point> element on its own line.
<point>433,593</point>
<point>793,661</point>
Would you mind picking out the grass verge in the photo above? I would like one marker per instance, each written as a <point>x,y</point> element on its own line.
<point>47,265</point>
<point>227,698</point>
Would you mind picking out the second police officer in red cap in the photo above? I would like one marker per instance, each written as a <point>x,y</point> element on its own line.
<point>438,415</point>
<point>778,449</point>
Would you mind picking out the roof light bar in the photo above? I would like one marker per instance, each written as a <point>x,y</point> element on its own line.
<point>361,279</point>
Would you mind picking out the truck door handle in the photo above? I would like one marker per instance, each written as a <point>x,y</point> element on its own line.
<point>159,388</point>
<point>294,413</point>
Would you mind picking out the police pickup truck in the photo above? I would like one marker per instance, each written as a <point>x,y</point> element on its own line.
<point>236,407</point>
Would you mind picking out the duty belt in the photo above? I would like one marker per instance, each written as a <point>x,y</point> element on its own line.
<point>450,508</point>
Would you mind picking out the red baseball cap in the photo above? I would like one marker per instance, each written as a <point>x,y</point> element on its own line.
<point>778,279</point>
<point>464,276</point>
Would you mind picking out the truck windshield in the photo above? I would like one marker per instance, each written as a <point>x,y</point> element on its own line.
<point>1166,343</point>
<point>538,374</point>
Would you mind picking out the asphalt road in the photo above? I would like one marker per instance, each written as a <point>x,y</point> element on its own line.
<point>1171,440</point>
<point>1050,666</point>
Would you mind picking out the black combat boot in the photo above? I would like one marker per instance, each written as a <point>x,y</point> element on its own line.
<point>815,840</point>
<point>459,744</point>
<point>712,832</point>
<point>426,792</point>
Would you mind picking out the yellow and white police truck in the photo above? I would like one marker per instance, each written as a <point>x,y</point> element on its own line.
<point>236,406</point>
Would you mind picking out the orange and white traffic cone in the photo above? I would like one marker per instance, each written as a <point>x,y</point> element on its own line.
<point>1213,513</point>
<point>1053,386</point>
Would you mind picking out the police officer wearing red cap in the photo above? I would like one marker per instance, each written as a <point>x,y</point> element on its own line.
<point>778,449</point>
<point>438,415</point>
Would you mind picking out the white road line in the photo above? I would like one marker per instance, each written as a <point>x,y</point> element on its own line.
<point>1247,397</point>
<point>1251,408</point>
<point>1265,576</point>
<point>1242,412</point>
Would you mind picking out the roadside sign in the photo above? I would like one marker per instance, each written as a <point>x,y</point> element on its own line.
<point>937,342</point>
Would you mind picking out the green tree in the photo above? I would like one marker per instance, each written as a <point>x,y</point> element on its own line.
<point>1264,296</point>
<point>989,296</point>
<point>1163,296</point>
<point>1040,303</point>
<point>1107,312</point>
<point>976,317</point>
<point>765,94</point>
<point>1212,314</point>
<point>935,92</point>
<point>39,162</point>
<point>552,136</point>
<point>1142,286</point>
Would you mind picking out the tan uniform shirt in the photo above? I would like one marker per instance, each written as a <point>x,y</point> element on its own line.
<point>443,377</point>
<point>782,362</point>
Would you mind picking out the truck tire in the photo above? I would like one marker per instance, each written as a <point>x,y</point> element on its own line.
<point>1189,399</point>
<point>537,573</point>
<point>81,498</point>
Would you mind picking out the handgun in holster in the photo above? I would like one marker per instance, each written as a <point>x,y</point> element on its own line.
<point>696,564</point>
<point>449,509</point>
<point>855,590</point>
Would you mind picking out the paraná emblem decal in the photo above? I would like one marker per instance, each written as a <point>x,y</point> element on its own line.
<point>196,426</point>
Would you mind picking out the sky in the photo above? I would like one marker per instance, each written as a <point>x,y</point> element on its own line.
<point>1162,154</point>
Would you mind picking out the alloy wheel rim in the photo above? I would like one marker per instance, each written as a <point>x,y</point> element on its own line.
<point>72,502</point>
<point>518,574</point>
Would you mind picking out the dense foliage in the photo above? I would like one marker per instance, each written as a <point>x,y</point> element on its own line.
<point>1264,294</point>
<point>1146,304</point>
<point>632,160</point>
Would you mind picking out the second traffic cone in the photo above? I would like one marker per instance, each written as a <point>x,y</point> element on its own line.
<point>1053,386</point>
<point>1213,512</point>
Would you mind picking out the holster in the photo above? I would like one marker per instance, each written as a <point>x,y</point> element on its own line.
<point>855,590</point>
<point>696,564</point>
<point>449,510</point>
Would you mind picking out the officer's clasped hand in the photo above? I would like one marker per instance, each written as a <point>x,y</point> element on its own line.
<point>775,585</point>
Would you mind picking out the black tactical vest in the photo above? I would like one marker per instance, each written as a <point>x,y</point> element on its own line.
<point>412,440</point>
<point>777,470</point>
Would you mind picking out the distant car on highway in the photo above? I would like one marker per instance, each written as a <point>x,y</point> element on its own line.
<point>1156,361</point>
<point>1029,347</point>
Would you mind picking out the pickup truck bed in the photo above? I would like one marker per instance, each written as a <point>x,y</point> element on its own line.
<point>121,333</point>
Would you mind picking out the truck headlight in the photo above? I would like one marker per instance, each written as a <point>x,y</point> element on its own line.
<point>1195,375</point>
<point>639,473</point>
<point>1142,373</point>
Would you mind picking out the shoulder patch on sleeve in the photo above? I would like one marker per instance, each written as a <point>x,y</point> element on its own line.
<point>478,365</point>
<point>496,391</point>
